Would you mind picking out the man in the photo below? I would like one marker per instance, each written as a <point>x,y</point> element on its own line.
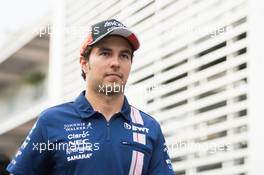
<point>99,133</point>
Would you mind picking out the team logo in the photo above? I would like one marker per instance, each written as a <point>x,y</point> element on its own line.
<point>135,128</point>
<point>127,126</point>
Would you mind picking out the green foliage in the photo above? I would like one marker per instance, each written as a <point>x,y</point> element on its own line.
<point>35,78</point>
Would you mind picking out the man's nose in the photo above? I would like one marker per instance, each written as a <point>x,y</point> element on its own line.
<point>115,62</point>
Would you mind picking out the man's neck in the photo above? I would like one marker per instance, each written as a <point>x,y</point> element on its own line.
<point>107,105</point>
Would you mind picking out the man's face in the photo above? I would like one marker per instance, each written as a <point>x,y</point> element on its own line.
<point>109,64</point>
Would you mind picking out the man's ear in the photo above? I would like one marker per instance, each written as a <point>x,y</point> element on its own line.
<point>84,64</point>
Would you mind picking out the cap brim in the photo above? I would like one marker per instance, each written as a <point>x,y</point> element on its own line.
<point>129,35</point>
<point>124,32</point>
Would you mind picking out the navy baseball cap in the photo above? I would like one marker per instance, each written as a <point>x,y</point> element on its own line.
<point>105,28</point>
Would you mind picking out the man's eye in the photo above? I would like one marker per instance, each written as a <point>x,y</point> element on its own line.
<point>105,53</point>
<point>125,56</point>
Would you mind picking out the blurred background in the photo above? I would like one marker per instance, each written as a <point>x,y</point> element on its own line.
<point>198,72</point>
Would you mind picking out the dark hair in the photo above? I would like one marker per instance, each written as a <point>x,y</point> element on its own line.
<point>86,56</point>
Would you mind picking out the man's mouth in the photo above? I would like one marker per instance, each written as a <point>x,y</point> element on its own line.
<point>114,74</point>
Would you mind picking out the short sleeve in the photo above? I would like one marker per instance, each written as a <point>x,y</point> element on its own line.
<point>32,156</point>
<point>160,163</point>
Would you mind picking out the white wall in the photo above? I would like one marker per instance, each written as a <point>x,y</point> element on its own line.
<point>256,93</point>
<point>200,78</point>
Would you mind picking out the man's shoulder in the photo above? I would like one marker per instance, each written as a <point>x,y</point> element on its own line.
<point>57,110</point>
<point>147,118</point>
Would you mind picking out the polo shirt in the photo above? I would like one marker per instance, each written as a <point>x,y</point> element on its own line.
<point>73,139</point>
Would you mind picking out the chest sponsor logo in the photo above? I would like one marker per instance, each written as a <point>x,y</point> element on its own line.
<point>84,134</point>
<point>81,146</point>
<point>136,128</point>
<point>78,126</point>
<point>81,149</point>
<point>79,156</point>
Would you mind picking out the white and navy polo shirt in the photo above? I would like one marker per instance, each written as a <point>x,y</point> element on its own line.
<point>73,139</point>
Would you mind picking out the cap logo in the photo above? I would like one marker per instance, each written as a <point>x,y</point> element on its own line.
<point>111,28</point>
<point>113,23</point>
<point>108,27</point>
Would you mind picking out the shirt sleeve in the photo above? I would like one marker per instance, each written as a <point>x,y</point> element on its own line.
<point>160,163</point>
<point>32,156</point>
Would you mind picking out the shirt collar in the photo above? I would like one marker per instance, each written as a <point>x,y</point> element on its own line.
<point>86,110</point>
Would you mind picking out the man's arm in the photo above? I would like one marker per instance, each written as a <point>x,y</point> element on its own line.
<point>30,160</point>
<point>160,163</point>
